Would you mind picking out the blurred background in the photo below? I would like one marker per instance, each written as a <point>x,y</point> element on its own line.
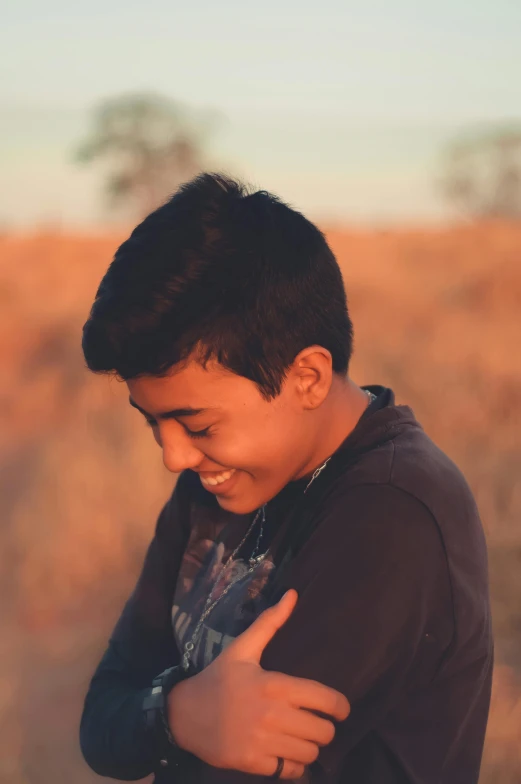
<point>397,128</point>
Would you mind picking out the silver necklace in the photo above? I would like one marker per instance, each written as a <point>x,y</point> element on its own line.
<point>253,561</point>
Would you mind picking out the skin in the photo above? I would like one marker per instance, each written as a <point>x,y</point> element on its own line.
<point>234,714</point>
<point>269,443</point>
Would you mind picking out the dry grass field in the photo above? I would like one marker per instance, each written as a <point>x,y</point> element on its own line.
<point>437,317</point>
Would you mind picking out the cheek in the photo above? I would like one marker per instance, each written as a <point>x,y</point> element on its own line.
<point>267,445</point>
<point>247,449</point>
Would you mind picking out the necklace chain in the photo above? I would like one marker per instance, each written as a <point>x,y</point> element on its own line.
<point>254,561</point>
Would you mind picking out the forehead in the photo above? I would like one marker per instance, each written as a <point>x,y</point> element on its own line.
<point>192,386</point>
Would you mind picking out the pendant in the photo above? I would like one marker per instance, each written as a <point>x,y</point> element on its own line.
<point>257,560</point>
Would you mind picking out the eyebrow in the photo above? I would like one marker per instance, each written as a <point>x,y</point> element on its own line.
<point>173,414</point>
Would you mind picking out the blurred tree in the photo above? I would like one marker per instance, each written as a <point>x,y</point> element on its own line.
<point>483,174</point>
<point>152,145</point>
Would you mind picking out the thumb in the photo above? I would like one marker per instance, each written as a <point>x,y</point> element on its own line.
<point>250,644</point>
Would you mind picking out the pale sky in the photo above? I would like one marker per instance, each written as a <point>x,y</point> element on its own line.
<point>341,108</point>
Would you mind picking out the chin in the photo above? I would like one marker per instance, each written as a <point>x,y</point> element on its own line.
<point>236,505</point>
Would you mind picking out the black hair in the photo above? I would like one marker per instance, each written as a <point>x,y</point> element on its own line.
<point>219,272</point>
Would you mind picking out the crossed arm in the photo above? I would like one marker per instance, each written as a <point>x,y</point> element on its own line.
<point>367,587</point>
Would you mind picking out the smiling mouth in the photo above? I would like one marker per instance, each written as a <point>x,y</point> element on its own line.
<point>217,479</point>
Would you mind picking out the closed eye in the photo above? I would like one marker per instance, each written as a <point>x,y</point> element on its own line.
<point>199,433</point>
<point>192,433</point>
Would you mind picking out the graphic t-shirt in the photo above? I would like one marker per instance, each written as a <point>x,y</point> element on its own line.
<point>234,611</point>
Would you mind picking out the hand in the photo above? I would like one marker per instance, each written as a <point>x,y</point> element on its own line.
<point>236,715</point>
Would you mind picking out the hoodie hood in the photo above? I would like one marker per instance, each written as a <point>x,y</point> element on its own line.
<point>382,421</point>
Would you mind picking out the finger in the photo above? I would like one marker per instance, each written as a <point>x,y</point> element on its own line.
<point>309,694</point>
<point>250,645</point>
<point>290,770</point>
<point>300,723</point>
<point>294,749</point>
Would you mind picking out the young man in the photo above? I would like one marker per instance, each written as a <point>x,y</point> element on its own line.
<point>225,314</point>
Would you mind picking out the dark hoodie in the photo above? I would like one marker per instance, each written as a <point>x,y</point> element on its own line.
<point>387,553</point>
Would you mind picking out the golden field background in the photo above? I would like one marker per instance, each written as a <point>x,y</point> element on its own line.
<point>437,317</point>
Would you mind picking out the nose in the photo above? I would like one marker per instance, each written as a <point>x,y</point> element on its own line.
<point>179,453</point>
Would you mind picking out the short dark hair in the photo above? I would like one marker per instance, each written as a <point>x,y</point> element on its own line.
<point>219,272</point>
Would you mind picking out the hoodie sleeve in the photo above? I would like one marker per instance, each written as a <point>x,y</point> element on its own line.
<point>113,737</point>
<point>374,614</point>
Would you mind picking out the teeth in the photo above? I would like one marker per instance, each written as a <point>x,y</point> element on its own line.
<point>218,479</point>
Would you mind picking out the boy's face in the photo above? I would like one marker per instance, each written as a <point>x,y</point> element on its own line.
<point>220,426</point>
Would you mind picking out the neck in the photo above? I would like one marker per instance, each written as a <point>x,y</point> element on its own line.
<point>339,416</point>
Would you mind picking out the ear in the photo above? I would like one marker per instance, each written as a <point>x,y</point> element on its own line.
<point>313,375</point>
